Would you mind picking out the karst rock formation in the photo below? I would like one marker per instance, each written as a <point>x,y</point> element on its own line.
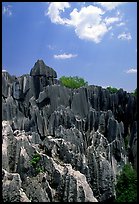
<point>61,144</point>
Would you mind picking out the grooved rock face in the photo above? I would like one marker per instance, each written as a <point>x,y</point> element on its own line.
<point>12,191</point>
<point>42,76</point>
<point>61,144</point>
<point>41,69</point>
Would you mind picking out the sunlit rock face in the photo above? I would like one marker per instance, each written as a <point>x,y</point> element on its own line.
<point>61,144</point>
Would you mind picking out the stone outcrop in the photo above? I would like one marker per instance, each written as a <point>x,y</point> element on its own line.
<point>61,144</point>
<point>12,190</point>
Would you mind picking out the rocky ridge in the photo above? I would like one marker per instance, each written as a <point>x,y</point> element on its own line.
<point>60,144</point>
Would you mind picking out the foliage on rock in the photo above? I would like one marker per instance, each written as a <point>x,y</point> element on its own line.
<point>35,163</point>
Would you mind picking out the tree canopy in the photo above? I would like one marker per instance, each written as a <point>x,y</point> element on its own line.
<point>126,187</point>
<point>112,89</point>
<point>135,92</point>
<point>73,82</point>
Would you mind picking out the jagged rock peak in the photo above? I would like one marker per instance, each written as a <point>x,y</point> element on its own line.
<point>41,69</point>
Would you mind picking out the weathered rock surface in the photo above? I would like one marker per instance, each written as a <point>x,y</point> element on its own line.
<point>12,191</point>
<point>63,145</point>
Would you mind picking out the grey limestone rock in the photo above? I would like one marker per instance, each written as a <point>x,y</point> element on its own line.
<point>133,145</point>
<point>41,74</point>
<point>80,103</point>
<point>61,144</point>
<point>112,129</point>
<point>35,190</point>
<point>12,191</point>
<point>102,124</point>
<point>41,69</point>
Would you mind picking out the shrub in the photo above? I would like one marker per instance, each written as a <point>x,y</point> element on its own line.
<point>126,187</point>
<point>36,158</point>
<point>73,82</point>
<point>34,161</point>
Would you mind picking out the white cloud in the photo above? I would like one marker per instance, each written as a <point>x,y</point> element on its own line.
<point>104,87</point>
<point>121,24</point>
<point>4,70</point>
<point>54,11</point>
<point>64,56</point>
<point>124,36</point>
<point>111,35</point>
<point>110,5</point>
<point>88,22</point>
<point>51,47</point>
<point>6,10</point>
<point>131,71</point>
<point>111,20</point>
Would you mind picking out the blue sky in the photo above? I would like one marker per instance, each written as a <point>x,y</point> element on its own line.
<point>93,40</point>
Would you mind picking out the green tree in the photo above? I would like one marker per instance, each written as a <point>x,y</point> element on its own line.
<point>135,92</point>
<point>73,82</point>
<point>126,187</point>
<point>112,89</point>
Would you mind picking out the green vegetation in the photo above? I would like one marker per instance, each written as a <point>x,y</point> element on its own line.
<point>126,142</point>
<point>35,163</point>
<point>36,158</point>
<point>135,92</point>
<point>112,89</point>
<point>126,187</point>
<point>73,82</point>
